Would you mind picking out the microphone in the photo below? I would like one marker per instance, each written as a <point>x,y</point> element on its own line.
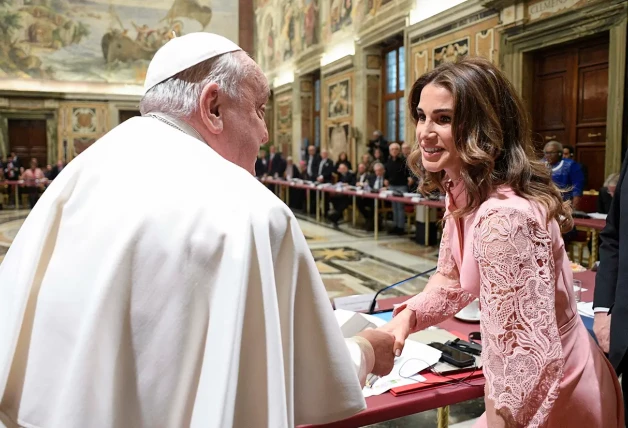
<point>372,307</point>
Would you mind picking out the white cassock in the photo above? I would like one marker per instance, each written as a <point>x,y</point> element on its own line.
<point>133,299</point>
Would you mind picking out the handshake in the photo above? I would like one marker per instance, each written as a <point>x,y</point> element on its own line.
<point>388,340</point>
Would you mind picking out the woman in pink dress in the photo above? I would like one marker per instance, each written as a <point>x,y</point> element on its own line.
<point>502,243</point>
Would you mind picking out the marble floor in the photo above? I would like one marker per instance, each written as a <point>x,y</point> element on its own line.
<point>350,262</point>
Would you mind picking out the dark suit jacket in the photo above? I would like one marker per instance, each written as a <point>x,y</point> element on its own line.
<point>261,167</point>
<point>372,179</point>
<point>327,170</point>
<point>604,200</point>
<point>359,177</point>
<point>348,178</point>
<point>315,162</point>
<point>381,144</point>
<point>295,172</point>
<point>277,165</point>
<point>611,282</point>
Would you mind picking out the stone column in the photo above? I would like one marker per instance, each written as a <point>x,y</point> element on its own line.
<point>615,106</point>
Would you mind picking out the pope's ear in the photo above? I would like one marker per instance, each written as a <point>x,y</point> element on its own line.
<point>210,108</point>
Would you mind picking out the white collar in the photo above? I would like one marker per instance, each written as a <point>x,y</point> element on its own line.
<point>177,124</point>
<point>557,167</point>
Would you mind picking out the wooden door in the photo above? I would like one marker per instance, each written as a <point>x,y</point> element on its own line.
<point>27,138</point>
<point>569,102</point>
<point>124,115</point>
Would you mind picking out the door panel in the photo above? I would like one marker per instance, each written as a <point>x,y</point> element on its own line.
<point>592,55</point>
<point>552,63</point>
<point>592,158</point>
<point>591,135</point>
<point>549,109</point>
<point>593,94</point>
<point>27,138</point>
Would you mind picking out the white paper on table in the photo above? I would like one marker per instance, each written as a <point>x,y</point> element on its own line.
<point>343,315</point>
<point>576,288</point>
<point>586,309</point>
<point>598,216</point>
<point>414,358</point>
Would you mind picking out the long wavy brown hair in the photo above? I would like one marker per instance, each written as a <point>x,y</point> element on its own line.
<point>491,133</point>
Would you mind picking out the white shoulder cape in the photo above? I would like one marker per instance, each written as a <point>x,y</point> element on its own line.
<point>156,284</point>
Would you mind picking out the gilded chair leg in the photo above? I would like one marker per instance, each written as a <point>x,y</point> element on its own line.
<point>443,417</point>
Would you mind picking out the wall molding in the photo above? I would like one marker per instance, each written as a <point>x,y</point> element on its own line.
<point>455,18</point>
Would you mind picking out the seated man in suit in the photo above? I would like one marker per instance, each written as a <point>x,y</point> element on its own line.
<point>341,202</point>
<point>375,184</point>
<point>362,176</point>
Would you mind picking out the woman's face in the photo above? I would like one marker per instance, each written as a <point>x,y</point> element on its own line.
<point>435,114</point>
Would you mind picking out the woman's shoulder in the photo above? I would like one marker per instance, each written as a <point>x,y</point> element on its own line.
<point>505,201</point>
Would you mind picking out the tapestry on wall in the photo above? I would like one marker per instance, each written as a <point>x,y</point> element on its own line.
<point>339,99</point>
<point>451,52</point>
<point>100,40</point>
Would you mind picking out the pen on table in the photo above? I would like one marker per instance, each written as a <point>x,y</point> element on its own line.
<point>371,379</point>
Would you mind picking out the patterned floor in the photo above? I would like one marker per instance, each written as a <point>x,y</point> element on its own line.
<point>350,262</point>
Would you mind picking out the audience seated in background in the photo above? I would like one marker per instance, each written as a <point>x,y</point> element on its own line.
<point>367,160</point>
<point>276,163</point>
<point>378,142</point>
<point>376,184</point>
<point>341,202</point>
<point>325,168</point>
<point>261,164</point>
<point>362,175</point>
<point>312,161</point>
<point>343,160</point>
<point>570,153</point>
<point>33,178</point>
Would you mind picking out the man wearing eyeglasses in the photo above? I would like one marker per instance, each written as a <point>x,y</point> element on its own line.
<point>566,173</point>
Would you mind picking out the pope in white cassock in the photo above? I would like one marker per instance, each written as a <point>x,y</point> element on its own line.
<point>132,300</point>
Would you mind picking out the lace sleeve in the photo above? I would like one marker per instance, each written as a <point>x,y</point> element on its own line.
<point>444,300</point>
<point>522,352</point>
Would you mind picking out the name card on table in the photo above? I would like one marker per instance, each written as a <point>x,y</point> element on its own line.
<point>312,185</point>
<point>361,302</point>
<point>416,200</point>
<point>383,195</point>
<point>292,183</point>
<point>359,192</point>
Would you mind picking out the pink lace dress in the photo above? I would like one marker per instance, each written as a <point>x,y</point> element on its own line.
<point>542,367</point>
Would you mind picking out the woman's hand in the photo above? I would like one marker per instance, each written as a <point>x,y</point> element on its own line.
<point>400,327</point>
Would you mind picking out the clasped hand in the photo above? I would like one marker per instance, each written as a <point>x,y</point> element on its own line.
<point>388,340</point>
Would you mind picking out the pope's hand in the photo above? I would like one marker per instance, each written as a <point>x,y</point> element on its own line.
<point>382,343</point>
<point>400,327</point>
<point>602,329</point>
